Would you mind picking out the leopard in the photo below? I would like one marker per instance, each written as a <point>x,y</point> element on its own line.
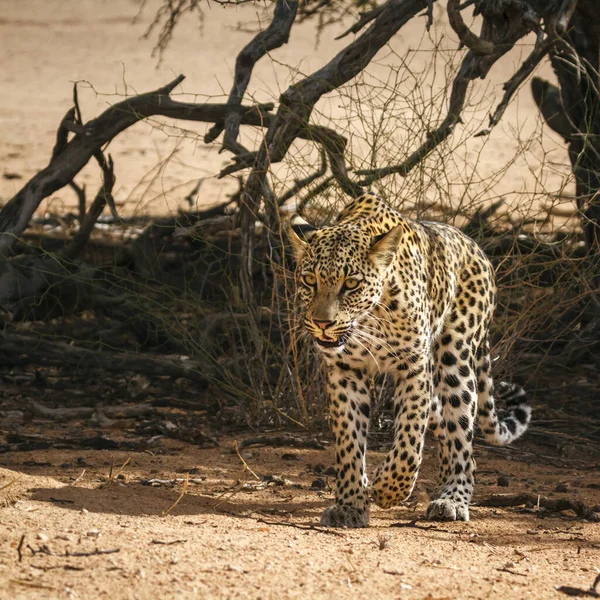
<point>384,294</point>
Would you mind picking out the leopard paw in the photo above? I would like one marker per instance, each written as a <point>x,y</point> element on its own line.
<point>345,516</point>
<point>446,509</point>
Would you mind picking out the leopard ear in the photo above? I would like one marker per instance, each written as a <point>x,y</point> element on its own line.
<point>383,251</point>
<point>300,233</point>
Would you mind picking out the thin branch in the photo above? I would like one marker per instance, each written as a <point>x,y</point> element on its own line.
<point>319,189</point>
<point>468,71</point>
<point>300,184</point>
<point>365,19</point>
<point>298,100</point>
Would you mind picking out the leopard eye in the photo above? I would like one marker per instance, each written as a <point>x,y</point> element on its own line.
<point>351,284</point>
<point>309,279</point>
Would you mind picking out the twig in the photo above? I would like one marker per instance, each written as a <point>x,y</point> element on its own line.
<point>507,570</point>
<point>162,543</point>
<point>103,197</point>
<point>20,548</point>
<point>31,584</point>
<point>303,527</point>
<point>281,440</point>
<point>171,482</point>
<point>316,191</point>
<point>429,21</point>
<point>365,19</point>
<point>116,475</point>
<point>466,36</point>
<point>467,72</point>
<point>300,184</point>
<point>96,552</point>
<point>414,525</point>
<point>235,445</point>
<point>183,492</point>
<point>191,197</point>
<point>81,199</point>
<point>83,412</point>
<point>11,482</point>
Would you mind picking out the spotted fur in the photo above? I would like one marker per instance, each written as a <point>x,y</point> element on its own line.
<point>384,293</point>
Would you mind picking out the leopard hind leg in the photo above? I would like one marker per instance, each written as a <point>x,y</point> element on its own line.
<point>455,391</point>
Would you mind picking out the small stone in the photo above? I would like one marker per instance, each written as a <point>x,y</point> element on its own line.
<point>92,533</point>
<point>503,481</point>
<point>84,511</point>
<point>319,468</point>
<point>331,471</point>
<point>290,456</point>
<point>42,537</point>
<point>318,484</point>
<point>562,488</point>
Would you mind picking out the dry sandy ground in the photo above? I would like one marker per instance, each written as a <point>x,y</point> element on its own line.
<point>46,45</point>
<point>217,543</point>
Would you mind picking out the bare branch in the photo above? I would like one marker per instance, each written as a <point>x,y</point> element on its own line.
<point>466,36</point>
<point>512,85</point>
<point>70,157</point>
<point>276,34</point>
<point>468,71</point>
<point>365,19</point>
<point>300,184</point>
<point>318,190</point>
<point>298,100</point>
<point>100,201</point>
<point>62,133</point>
<point>81,200</point>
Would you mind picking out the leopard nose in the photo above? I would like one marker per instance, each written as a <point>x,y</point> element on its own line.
<point>322,324</point>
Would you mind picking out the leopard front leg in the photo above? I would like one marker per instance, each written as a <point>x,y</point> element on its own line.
<point>396,477</point>
<point>350,405</point>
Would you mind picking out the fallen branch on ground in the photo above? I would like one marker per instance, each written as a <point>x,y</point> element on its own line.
<point>281,441</point>
<point>505,500</point>
<point>42,351</point>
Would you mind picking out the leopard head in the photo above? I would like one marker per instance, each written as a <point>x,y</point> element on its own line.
<point>341,272</point>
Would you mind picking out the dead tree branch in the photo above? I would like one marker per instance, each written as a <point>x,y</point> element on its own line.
<point>504,500</point>
<point>513,84</point>
<point>41,351</point>
<point>102,199</point>
<point>300,184</point>
<point>365,19</point>
<point>276,34</point>
<point>472,41</point>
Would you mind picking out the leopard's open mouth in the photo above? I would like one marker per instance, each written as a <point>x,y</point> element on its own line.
<point>341,340</point>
